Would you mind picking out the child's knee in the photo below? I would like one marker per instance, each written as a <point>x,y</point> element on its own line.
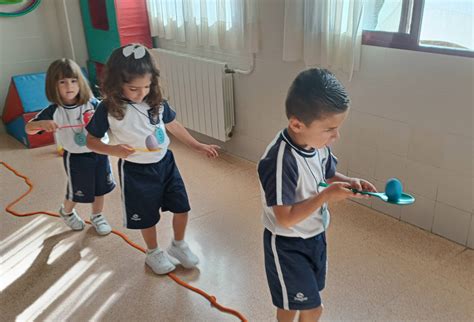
<point>311,314</point>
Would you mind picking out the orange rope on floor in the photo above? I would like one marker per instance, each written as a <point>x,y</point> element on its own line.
<point>210,298</point>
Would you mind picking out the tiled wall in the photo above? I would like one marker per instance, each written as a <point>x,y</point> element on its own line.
<point>411,118</point>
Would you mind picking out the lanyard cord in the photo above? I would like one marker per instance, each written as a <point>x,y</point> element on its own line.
<point>323,207</point>
<point>323,174</point>
<point>147,116</point>
<point>69,120</point>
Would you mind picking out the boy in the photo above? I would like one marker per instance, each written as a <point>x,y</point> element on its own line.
<point>295,212</point>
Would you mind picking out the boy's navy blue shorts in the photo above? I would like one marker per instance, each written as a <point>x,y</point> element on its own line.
<point>296,270</point>
<point>148,187</point>
<point>89,175</point>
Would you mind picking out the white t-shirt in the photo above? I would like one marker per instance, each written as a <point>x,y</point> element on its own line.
<point>69,115</point>
<point>135,129</point>
<point>289,174</point>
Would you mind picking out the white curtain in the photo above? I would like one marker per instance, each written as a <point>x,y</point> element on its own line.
<point>221,24</point>
<point>324,33</point>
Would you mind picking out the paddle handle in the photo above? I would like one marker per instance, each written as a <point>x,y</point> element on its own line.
<point>146,150</point>
<point>325,185</point>
<point>69,126</point>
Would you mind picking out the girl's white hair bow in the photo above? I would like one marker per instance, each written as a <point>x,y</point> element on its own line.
<point>137,51</point>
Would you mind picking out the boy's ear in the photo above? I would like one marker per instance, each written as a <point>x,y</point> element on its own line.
<point>295,125</point>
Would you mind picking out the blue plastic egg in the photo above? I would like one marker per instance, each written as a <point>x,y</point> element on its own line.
<point>393,189</point>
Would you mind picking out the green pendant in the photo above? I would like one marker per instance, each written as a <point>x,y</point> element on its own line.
<point>80,139</point>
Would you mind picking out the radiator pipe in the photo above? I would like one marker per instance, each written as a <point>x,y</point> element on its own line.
<point>241,71</point>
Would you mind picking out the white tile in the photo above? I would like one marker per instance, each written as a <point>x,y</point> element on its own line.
<point>364,129</point>
<point>425,147</point>
<point>457,155</point>
<point>247,147</point>
<point>451,223</point>
<point>342,150</point>
<point>269,129</point>
<point>470,238</point>
<point>420,214</point>
<point>388,166</point>
<point>346,128</point>
<point>422,179</point>
<point>392,210</point>
<point>456,191</point>
<point>364,202</point>
<point>362,160</point>
<point>393,136</point>
<point>472,191</point>
<point>342,165</point>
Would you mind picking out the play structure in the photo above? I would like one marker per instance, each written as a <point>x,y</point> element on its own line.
<point>109,24</point>
<point>26,97</point>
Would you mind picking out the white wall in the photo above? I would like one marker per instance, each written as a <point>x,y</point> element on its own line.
<point>75,47</point>
<point>411,118</point>
<point>28,44</point>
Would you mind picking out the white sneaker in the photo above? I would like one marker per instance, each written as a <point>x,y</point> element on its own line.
<point>72,220</point>
<point>101,225</point>
<point>183,254</point>
<point>159,262</point>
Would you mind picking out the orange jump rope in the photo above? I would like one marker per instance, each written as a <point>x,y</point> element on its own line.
<point>210,298</point>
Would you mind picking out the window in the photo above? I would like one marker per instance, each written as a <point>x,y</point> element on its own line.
<point>440,26</point>
<point>212,24</point>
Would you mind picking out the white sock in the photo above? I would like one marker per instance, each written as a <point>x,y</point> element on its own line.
<point>96,215</point>
<point>179,243</point>
<point>64,213</point>
<point>148,251</point>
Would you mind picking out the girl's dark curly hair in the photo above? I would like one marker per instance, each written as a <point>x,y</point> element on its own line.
<point>120,70</point>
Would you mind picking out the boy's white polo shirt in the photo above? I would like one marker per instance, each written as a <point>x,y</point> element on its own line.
<point>290,174</point>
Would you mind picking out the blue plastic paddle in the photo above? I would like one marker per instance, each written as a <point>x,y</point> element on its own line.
<point>405,198</point>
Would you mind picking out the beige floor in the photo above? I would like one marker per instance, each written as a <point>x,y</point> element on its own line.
<point>379,268</point>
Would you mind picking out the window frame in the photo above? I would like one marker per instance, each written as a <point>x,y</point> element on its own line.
<point>408,41</point>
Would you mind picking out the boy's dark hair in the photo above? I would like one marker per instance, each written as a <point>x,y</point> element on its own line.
<point>121,69</point>
<point>66,68</point>
<point>314,94</point>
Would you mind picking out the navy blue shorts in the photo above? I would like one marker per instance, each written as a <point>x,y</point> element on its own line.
<point>148,187</point>
<point>296,270</point>
<point>89,175</point>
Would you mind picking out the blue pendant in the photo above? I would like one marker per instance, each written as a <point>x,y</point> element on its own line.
<point>160,135</point>
<point>80,139</point>
<point>325,216</point>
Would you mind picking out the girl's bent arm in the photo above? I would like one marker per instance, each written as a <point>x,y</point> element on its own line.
<point>120,150</point>
<point>37,126</point>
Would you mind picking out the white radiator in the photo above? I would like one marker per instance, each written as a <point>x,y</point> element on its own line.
<point>201,92</point>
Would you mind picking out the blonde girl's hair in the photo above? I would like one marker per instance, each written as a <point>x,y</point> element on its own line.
<point>121,69</point>
<point>66,68</point>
